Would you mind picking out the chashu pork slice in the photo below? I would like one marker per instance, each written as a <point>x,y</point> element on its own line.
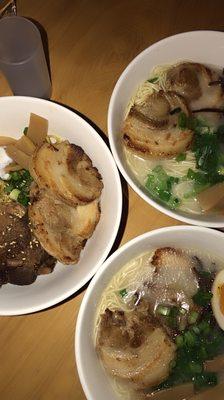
<point>134,348</point>
<point>67,171</point>
<point>176,269</point>
<point>151,129</point>
<point>61,229</point>
<point>193,82</point>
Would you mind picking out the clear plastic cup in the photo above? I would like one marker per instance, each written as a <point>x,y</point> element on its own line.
<point>22,58</point>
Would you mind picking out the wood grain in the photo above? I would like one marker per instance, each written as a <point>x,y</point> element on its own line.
<point>90,43</point>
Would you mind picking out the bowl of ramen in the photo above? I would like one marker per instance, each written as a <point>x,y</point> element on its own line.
<point>166,124</point>
<point>58,214</point>
<point>151,324</point>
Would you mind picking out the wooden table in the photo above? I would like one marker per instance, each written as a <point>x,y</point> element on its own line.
<point>90,43</point>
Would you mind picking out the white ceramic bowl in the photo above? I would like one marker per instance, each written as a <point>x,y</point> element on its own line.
<point>200,46</point>
<point>48,290</point>
<point>93,378</point>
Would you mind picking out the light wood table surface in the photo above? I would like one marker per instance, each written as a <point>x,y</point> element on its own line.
<point>90,44</point>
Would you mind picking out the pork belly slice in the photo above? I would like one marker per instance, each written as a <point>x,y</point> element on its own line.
<point>134,348</point>
<point>151,129</point>
<point>61,229</point>
<point>193,82</point>
<point>67,171</point>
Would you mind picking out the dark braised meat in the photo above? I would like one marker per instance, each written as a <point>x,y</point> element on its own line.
<point>21,256</point>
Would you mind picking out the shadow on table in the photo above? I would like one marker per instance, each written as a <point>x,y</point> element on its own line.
<point>125,204</point>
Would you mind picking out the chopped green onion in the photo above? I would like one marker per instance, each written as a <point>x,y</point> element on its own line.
<point>195,367</point>
<point>204,327</point>
<point>195,329</point>
<point>23,199</point>
<point>172,319</point>
<point>179,341</point>
<point>153,80</point>
<point>21,181</point>
<point>163,310</point>
<point>193,316</point>
<point>189,339</point>
<point>14,194</point>
<point>205,380</point>
<point>160,185</point>
<point>181,157</point>
<point>123,292</point>
<point>15,176</point>
<point>182,120</point>
<point>182,324</point>
<point>202,298</point>
<point>183,311</point>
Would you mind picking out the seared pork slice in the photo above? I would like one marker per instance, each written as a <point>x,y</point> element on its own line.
<point>21,256</point>
<point>152,128</point>
<point>61,229</point>
<point>192,81</point>
<point>67,171</point>
<point>134,348</point>
<point>175,269</point>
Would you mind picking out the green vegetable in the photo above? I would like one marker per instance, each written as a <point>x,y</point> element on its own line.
<point>202,298</point>
<point>173,318</point>
<point>220,170</point>
<point>181,157</point>
<point>182,311</point>
<point>179,341</point>
<point>206,146</point>
<point>220,133</point>
<point>15,176</point>
<point>123,292</point>
<point>206,151</point>
<point>25,130</point>
<point>201,182</point>
<point>196,368</point>
<point>202,340</point>
<point>207,379</point>
<point>23,199</point>
<point>153,80</point>
<point>160,185</point>
<point>14,194</point>
<point>204,327</point>
<point>190,339</point>
<point>182,120</point>
<point>195,329</point>
<point>18,186</point>
<point>193,316</point>
<point>163,310</point>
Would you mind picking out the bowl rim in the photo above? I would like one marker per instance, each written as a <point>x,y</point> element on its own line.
<point>81,367</point>
<point>116,222</point>
<point>111,135</point>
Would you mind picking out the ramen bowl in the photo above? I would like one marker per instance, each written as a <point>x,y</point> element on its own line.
<point>65,280</point>
<point>95,382</point>
<point>199,46</point>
